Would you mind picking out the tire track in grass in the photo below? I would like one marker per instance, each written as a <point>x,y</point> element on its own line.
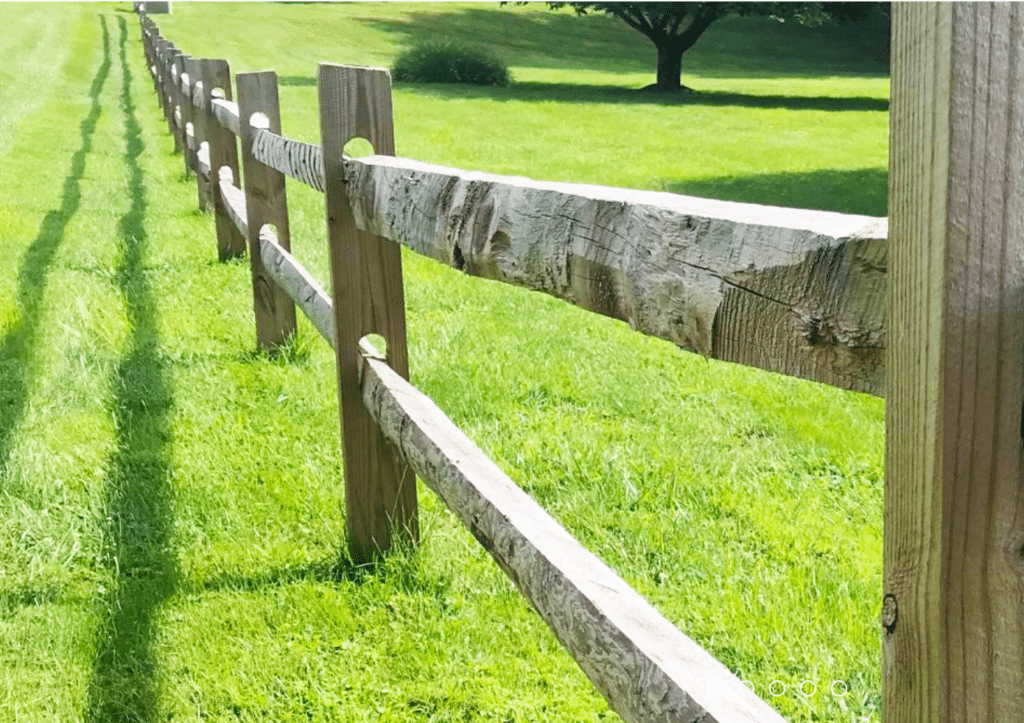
<point>16,347</point>
<point>139,560</point>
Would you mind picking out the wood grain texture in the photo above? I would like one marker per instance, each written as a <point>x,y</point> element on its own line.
<point>266,203</point>
<point>227,113</point>
<point>789,290</point>
<point>646,668</point>
<point>793,291</point>
<point>366,277</point>
<point>299,284</point>
<point>223,149</point>
<point>302,161</point>
<point>953,608</point>
<point>234,204</point>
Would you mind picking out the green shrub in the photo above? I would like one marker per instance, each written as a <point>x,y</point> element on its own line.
<point>445,61</point>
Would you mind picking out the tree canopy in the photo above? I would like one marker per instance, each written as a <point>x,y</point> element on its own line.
<point>674,27</point>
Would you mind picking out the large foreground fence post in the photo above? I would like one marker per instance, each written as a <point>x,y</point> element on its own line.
<point>265,203</point>
<point>953,611</point>
<point>366,273</point>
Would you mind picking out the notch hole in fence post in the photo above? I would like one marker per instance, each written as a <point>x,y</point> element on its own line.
<point>358,147</point>
<point>377,342</point>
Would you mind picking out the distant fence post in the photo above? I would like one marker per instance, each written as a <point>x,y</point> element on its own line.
<point>197,115</point>
<point>265,203</point>
<point>185,109</point>
<point>146,26</point>
<point>366,273</point>
<point>164,49</point>
<point>953,608</point>
<point>174,93</point>
<point>216,75</point>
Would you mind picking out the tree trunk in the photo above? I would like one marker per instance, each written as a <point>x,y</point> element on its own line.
<point>670,66</point>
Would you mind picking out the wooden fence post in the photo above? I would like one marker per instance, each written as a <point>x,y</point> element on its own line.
<point>198,118</point>
<point>953,608</point>
<point>163,66</point>
<point>184,103</point>
<point>146,26</point>
<point>366,273</point>
<point>172,96</point>
<point>216,74</point>
<point>265,203</point>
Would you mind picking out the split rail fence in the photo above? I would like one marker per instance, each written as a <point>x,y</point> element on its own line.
<point>813,294</point>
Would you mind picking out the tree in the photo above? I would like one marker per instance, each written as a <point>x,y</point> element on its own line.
<point>674,27</point>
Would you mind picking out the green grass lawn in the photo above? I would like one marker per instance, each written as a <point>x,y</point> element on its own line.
<point>171,501</point>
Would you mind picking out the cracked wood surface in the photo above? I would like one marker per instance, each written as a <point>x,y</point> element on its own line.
<point>789,290</point>
<point>302,161</point>
<point>642,664</point>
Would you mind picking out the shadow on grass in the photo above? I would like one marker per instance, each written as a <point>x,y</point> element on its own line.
<point>138,555</point>
<point>400,568</point>
<point>572,93</point>
<point>754,47</point>
<point>16,347</point>
<point>326,571</point>
<point>532,91</point>
<point>862,191</point>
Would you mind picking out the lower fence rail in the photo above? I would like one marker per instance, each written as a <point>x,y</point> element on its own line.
<point>644,666</point>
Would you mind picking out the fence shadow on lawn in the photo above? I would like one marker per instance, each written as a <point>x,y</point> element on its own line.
<point>16,347</point>
<point>862,191</point>
<point>138,513</point>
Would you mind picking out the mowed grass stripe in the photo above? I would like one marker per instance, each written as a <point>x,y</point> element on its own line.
<point>55,353</point>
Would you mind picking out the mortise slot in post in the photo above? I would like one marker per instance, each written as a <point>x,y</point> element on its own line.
<point>374,345</point>
<point>358,148</point>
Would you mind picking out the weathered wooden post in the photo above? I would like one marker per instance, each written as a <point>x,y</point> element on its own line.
<point>193,66</point>
<point>216,76</point>
<point>147,28</point>
<point>166,99</point>
<point>366,273</point>
<point>265,203</point>
<point>170,87</point>
<point>184,103</point>
<point>953,609</point>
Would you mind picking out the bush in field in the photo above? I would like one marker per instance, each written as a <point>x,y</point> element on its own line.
<point>445,61</point>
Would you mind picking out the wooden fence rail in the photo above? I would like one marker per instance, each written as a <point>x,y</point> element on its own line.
<point>646,668</point>
<point>792,291</point>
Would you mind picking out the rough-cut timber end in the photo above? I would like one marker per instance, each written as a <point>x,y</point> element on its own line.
<point>789,290</point>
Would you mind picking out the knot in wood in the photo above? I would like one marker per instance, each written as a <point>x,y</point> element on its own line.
<point>815,329</point>
<point>890,613</point>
